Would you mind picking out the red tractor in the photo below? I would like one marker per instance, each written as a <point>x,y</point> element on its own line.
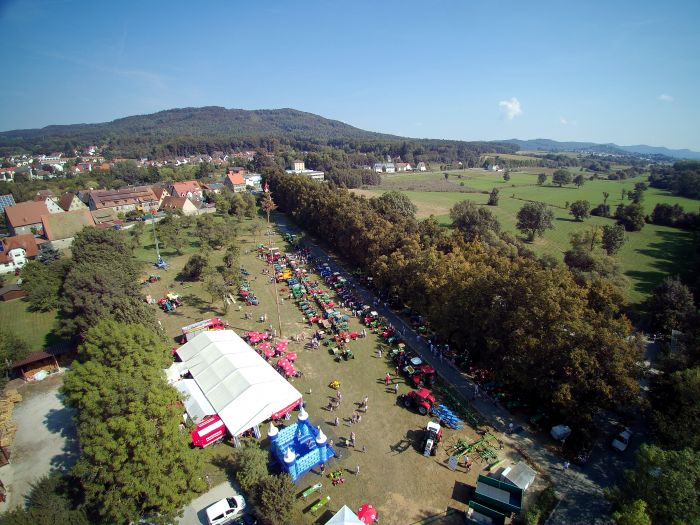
<point>423,399</point>
<point>423,374</point>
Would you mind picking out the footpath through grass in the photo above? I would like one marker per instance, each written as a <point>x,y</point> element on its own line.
<point>647,257</point>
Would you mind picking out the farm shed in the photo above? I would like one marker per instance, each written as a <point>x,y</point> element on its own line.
<point>13,291</point>
<point>520,475</point>
<point>37,365</point>
<point>242,388</point>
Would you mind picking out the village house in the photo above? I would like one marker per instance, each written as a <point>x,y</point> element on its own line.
<point>71,202</point>
<point>403,166</point>
<point>179,204</point>
<point>104,216</point>
<point>125,199</point>
<point>253,181</point>
<point>160,193</point>
<point>384,167</point>
<point>60,230</point>
<point>7,174</point>
<point>213,187</point>
<point>189,189</point>
<point>421,166</point>
<point>16,251</point>
<point>299,168</point>
<point>25,217</point>
<point>235,182</point>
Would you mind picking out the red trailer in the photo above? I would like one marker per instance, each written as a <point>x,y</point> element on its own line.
<point>194,329</point>
<point>208,431</point>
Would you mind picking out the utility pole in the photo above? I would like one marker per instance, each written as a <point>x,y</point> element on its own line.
<point>268,205</point>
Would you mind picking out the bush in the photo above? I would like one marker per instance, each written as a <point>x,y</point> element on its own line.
<point>195,267</point>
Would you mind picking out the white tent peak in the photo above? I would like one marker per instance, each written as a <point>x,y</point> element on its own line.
<point>321,437</point>
<point>289,456</point>
<point>344,517</point>
<point>273,430</point>
<point>303,414</point>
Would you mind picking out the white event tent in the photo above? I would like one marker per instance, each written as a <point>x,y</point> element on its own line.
<point>344,517</point>
<point>230,378</point>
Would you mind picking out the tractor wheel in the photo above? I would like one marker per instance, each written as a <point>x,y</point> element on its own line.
<point>433,451</point>
<point>407,402</point>
<point>422,410</point>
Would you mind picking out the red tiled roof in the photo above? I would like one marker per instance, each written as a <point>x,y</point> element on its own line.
<point>173,203</point>
<point>28,242</point>
<point>122,196</point>
<point>190,186</point>
<point>235,178</point>
<point>26,213</point>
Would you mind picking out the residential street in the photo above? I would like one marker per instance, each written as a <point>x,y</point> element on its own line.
<point>581,489</point>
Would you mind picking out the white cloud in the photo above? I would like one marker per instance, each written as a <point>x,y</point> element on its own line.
<point>562,120</point>
<point>511,108</point>
<point>663,97</point>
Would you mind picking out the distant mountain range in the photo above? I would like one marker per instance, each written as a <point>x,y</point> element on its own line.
<point>553,145</point>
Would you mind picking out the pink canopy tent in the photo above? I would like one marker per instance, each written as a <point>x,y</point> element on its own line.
<point>367,514</point>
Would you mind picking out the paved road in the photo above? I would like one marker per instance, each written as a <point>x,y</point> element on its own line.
<point>580,489</point>
<point>45,440</point>
<point>194,513</point>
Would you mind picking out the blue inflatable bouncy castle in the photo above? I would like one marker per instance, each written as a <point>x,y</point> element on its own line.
<point>300,446</point>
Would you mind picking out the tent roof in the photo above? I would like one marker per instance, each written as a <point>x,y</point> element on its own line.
<point>241,386</point>
<point>196,403</point>
<point>344,517</point>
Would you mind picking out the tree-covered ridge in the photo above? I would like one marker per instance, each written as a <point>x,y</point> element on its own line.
<point>189,131</point>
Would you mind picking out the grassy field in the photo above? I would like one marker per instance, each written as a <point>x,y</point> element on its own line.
<point>33,327</point>
<point>394,473</point>
<point>646,258</point>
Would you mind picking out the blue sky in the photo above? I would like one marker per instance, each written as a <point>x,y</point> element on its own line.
<point>622,71</point>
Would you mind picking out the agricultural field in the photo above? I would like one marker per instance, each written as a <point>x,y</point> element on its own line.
<point>405,486</point>
<point>645,259</point>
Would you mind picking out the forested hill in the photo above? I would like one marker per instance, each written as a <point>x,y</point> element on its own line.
<point>641,149</point>
<point>203,130</point>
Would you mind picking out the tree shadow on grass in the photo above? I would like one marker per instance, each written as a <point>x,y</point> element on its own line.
<point>670,255</point>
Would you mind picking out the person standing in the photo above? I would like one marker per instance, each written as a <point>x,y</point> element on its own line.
<point>396,388</point>
<point>357,470</point>
<point>352,439</point>
<point>387,378</point>
<point>337,421</point>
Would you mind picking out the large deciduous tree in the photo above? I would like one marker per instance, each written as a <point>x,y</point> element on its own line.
<point>670,306</point>
<point>473,221</point>
<point>561,177</point>
<point>580,209</point>
<point>613,238</point>
<point>534,218</point>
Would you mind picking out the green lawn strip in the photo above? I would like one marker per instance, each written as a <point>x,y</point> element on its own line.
<point>34,327</point>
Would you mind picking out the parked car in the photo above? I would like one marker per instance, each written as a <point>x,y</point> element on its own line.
<point>622,441</point>
<point>225,510</point>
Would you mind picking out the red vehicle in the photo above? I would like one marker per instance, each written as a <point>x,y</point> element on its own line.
<point>423,399</point>
<point>209,430</point>
<point>194,329</point>
<point>421,375</point>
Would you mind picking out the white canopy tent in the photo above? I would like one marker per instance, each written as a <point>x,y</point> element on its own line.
<point>196,403</point>
<point>243,389</point>
<point>344,517</point>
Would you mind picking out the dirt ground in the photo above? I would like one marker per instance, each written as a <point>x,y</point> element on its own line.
<point>45,439</point>
<point>405,487</point>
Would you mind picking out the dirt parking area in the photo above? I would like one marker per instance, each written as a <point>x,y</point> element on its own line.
<point>45,439</point>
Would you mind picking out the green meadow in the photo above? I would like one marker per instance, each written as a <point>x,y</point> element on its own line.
<point>646,258</point>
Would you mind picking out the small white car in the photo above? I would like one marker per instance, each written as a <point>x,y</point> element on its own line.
<point>225,510</point>
<point>622,441</point>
